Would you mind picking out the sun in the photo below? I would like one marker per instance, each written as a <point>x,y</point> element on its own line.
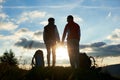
<point>61,52</point>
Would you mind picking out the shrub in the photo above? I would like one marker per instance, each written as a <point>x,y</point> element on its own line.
<point>8,57</point>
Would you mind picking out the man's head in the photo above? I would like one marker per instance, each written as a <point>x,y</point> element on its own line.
<point>70,18</point>
<point>51,20</point>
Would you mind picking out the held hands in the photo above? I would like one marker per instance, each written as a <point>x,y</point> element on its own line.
<point>60,43</point>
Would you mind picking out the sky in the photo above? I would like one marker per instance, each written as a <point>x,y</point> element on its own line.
<point>22,23</point>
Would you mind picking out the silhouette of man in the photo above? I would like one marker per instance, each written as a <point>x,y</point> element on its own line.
<point>72,31</point>
<point>38,59</point>
<point>51,37</point>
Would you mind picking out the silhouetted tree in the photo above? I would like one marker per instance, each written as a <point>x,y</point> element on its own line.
<point>9,57</point>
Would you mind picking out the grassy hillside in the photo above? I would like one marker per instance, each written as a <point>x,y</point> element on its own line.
<point>8,72</point>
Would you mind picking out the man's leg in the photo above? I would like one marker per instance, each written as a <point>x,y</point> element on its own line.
<point>76,53</point>
<point>53,54</point>
<point>71,53</point>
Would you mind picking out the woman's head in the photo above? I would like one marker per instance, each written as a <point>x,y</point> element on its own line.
<point>51,20</point>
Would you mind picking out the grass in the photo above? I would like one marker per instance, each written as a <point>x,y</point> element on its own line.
<point>8,72</point>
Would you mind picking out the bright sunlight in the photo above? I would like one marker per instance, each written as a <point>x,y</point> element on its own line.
<point>61,52</point>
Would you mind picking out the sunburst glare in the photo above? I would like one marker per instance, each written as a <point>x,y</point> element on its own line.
<point>61,52</point>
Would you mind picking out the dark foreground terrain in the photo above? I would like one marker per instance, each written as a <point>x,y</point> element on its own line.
<point>8,72</point>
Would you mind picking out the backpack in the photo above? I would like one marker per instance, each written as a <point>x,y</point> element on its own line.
<point>38,59</point>
<point>86,62</point>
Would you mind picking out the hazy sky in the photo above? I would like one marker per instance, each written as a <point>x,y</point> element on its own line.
<point>22,23</point>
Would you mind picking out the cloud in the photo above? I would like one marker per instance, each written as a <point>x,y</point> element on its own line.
<point>1,36</point>
<point>44,23</point>
<point>78,19</point>
<point>59,5</point>
<point>22,19</point>
<point>31,16</point>
<point>108,50</point>
<point>22,33</point>
<point>96,44</point>
<point>114,18</point>
<point>29,44</point>
<point>37,14</point>
<point>3,16</point>
<point>115,36</point>
<point>109,15</point>
<point>8,26</point>
<point>101,49</point>
<point>38,35</point>
<point>1,1</point>
<point>62,6</point>
<point>22,30</point>
<point>1,6</point>
<point>30,35</point>
<point>23,38</point>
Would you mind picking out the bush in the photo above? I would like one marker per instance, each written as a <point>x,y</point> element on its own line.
<point>8,57</point>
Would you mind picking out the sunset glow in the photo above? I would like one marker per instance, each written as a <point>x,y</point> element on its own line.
<point>61,52</point>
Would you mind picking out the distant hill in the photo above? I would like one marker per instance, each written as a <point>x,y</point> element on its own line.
<point>113,70</point>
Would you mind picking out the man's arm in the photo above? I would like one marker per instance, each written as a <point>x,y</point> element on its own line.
<point>79,30</point>
<point>64,33</point>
